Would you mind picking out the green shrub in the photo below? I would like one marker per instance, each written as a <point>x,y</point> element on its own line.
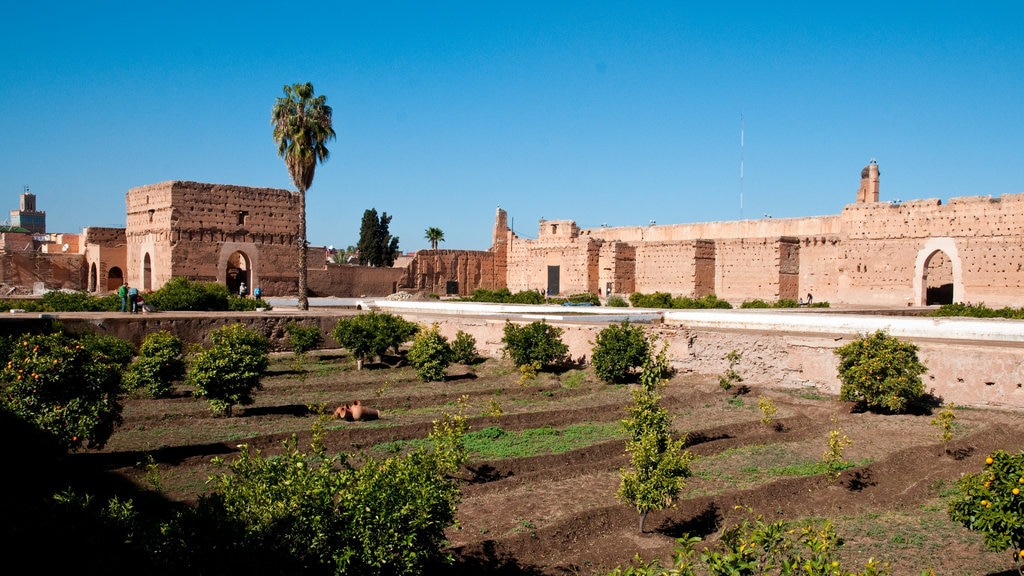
<point>303,337</point>
<point>464,348</point>
<point>371,334</point>
<point>526,297</point>
<point>430,354</point>
<point>77,301</point>
<point>30,305</point>
<point>230,370</point>
<point>313,513</point>
<point>499,296</point>
<point>880,372</point>
<point>618,350</point>
<point>616,301</point>
<point>656,300</point>
<point>110,349</point>
<point>979,311</point>
<point>179,293</point>
<point>659,464</point>
<point>158,366</point>
<point>665,300</point>
<point>992,502</point>
<point>584,298</point>
<point>239,304</point>
<point>65,389</point>
<point>755,303</point>
<point>537,342</point>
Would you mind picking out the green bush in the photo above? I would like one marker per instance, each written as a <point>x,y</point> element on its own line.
<point>992,502</point>
<point>616,301</point>
<point>430,354</point>
<point>537,342</point>
<point>618,350</point>
<point>371,334</point>
<point>464,348</point>
<point>110,349</point>
<point>180,293</point>
<point>665,300</point>
<point>655,300</point>
<point>158,366</point>
<point>65,389</point>
<point>979,311</point>
<point>239,304</point>
<point>313,513</point>
<point>526,297</point>
<point>880,372</point>
<point>755,303</point>
<point>63,301</point>
<point>230,370</point>
<point>504,296</point>
<point>303,337</point>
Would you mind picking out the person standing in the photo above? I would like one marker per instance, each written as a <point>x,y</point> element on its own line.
<point>122,291</point>
<point>133,299</point>
<point>243,290</point>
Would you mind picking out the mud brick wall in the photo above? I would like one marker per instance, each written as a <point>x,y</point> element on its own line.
<point>617,266</point>
<point>54,271</point>
<point>750,268</point>
<point>577,258</point>
<point>684,268</point>
<point>820,266</point>
<point>343,281</point>
<point>430,271</point>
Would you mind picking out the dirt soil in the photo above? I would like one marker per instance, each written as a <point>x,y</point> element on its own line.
<point>558,514</point>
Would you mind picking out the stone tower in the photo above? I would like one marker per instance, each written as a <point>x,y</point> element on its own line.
<point>868,183</point>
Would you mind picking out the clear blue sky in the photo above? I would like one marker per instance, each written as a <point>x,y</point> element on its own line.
<point>600,112</point>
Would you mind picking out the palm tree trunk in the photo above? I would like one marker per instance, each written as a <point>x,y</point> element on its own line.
<point>303,298</point>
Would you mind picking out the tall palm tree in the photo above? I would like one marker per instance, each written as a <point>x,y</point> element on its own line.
<point>434,235</point>
<point>302,126</point>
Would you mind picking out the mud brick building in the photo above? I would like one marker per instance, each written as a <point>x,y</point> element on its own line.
<point>871,254</point>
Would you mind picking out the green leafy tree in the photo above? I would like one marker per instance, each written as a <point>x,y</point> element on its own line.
<point>658,464</point>
<point>302,127</point>
<point>992,502</point>
<point>159,365</point>
<point>430,354</point>
<point>372,334</point>
<point>881,372</point>
<point>301,339</point>
<point>618,350</point>
<point>376,245</point>
<point>230,370</point>
<point>312,512</point>
<point>434,235</point>
<point>63,388</point>
<point>109,349</point>
<point>464,348</point>
<point>536,343</point>
<point>180,293</point>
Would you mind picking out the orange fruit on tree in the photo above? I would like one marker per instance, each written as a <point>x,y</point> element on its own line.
<point>989,460</point>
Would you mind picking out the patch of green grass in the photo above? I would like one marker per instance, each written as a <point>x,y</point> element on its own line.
<point>494,442</point>
<point>735,401</point>
<point>574,379</point>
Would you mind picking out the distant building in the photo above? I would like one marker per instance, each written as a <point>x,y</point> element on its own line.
<point>28,217</point>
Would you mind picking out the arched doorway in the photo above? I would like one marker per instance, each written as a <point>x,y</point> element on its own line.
<point>938,279</point>
<point>92,278</point>
<point>115,278</point>
<point>147,273</point>
<point>938,273</point>
<point>238,270</point>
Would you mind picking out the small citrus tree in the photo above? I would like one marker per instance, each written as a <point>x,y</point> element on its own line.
<point>228,372</point>
<point>430,354</point>
<point>537,342</point>
<point>992,502</point>
<point>63,388</point>
<point>881,372</point>
<point>618,350</point>
<point>158,366</point>
<point>659,464</point>
<point>372,334</point>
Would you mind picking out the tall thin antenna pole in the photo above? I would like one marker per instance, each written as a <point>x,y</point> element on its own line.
<point>741,166</point>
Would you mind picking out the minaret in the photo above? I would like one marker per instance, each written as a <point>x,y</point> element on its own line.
<point>868,183</point>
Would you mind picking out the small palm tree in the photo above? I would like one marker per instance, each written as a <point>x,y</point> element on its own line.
<point>302,126</point>
<point>434,235</point>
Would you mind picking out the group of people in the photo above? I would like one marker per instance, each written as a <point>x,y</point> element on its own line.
<point>131,300</point>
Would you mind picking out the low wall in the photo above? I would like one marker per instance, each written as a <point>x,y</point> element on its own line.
<point>970,362</point>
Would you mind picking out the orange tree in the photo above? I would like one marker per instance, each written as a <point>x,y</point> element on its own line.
<point>881,372</point>
<point>992,502</point>
<point>69,390</point>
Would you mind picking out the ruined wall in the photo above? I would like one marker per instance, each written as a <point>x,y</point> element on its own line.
<point>821,267</point>
<point>747,268</point>
<point>683,268</point>
<point>53,271</point>
<point>576,258</point>
<point>616,268</point>
<point>344,281</point>
<point>761,228</point>
<point>431,271</point>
